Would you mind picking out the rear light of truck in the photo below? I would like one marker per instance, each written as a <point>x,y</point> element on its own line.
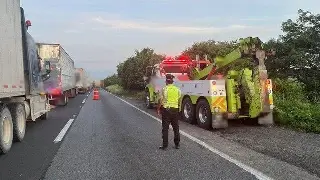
<point>56,91</point>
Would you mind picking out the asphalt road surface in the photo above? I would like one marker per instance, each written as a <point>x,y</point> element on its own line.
<point>112,139</point>
<point>30,158</point>
<point>297,148</point>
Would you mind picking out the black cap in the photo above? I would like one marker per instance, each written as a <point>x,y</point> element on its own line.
<point>169,77</point>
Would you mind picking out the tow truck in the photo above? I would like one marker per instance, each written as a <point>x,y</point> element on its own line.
<point>231,87</point>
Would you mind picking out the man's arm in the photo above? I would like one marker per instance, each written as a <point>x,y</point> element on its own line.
<point>179,97</point>
<point>160,101</point>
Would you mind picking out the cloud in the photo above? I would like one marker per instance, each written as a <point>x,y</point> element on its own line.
<point>72,31</point>
<point>167,28</point>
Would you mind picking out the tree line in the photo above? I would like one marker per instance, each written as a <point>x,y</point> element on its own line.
<point>295,68</point>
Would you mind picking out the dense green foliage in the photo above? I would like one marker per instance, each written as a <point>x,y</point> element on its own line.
<point>293,108</point>
<point>295,69</point>
<point>298,53</point>
<point>132,70</point>
<point>111,80</point>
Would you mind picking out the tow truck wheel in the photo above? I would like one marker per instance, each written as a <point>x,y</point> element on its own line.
<point>6,130</point>
<point>148,102</point>
<point>203,114</point>
<point>19,119</point>
<point>188,111</point>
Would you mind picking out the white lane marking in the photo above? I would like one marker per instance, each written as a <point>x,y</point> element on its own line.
<point>63,131</point>
<point>256,173</point>
<point>83,101</point>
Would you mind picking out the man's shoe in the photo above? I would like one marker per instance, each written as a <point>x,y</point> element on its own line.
<point>177,146</point>
<point>163,147</point>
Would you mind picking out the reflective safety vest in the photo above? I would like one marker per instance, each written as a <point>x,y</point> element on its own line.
<point>171,95</point>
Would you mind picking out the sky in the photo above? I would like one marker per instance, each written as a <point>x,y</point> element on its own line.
<point>99,34</point>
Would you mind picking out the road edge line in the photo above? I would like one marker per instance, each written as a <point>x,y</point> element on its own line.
<point>63,131</point>
<point>256,173</point>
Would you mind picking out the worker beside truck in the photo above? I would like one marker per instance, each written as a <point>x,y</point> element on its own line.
<point>22,96</point>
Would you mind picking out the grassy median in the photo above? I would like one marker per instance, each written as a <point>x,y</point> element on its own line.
<point>132,94</point>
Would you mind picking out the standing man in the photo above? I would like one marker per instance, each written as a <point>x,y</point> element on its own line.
<point>169,109</point>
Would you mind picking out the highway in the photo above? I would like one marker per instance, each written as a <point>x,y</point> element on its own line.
<point>30,158</point>
<point>115,138</point>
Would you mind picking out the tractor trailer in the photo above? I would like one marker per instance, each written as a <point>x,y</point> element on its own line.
<point>22,96</point>
<point>60,84</point>
<point>82,81</point>
<point>231,87</point>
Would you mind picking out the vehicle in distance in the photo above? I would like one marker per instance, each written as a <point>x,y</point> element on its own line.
<point>60,84</point>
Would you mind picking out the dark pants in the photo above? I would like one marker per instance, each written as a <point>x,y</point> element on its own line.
<point>170,116</point>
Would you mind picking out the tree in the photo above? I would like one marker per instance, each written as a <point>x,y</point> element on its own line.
<point>111,80</point>
<point>211,48</point>
<point>298,51</point>
<point>132,70</point>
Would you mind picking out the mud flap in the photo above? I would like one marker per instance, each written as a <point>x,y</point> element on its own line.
<point>266,119</point>
<point>219,122</point>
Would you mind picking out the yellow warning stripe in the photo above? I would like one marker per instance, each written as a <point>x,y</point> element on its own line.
<point>221,103</point>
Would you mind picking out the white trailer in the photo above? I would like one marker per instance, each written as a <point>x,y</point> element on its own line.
<point>61,82</point>
<point>22,96</point>
<point>82,80</point>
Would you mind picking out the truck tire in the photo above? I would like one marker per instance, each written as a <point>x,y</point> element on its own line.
<point>6,130</point>
<point>18,114</point>
<point>44,116</point>
<point>63,100</point>
<point>203,114</point>
<point>147,101</point>
<point>188,111</point>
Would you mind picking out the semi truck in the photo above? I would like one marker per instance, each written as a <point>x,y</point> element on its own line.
<point>231,87</point>
<point>98,83</point>
<point>22,96</point>
<point>82,80</point>
<point>60,84</point>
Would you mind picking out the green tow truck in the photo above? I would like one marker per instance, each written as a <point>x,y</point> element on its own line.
<point>232,87</point>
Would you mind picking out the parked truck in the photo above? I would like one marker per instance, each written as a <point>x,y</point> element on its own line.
<point>22,96</point>
<point>60,84</point>
<point>82,81</point>
<point>231,87</point>
<point>97,83</point>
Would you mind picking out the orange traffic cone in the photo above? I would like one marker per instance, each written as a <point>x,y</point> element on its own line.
<point>96,94</point>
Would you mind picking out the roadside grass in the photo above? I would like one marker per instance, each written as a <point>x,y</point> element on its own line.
<point>131,94</point>
<point>292,109</point>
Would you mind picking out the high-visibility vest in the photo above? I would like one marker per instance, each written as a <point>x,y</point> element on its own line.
<point>171,96</point>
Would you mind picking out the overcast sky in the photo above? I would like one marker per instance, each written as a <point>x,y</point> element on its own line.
<point>99,34</point>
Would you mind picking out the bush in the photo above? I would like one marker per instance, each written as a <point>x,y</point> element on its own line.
<point>115,89</point>
<point>292,107</point>
<point>119,90</point>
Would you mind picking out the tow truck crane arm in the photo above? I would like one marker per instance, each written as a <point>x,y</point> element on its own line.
<point>248,48</point>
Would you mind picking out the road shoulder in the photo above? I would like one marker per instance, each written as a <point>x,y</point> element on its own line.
<point>268,165</point>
